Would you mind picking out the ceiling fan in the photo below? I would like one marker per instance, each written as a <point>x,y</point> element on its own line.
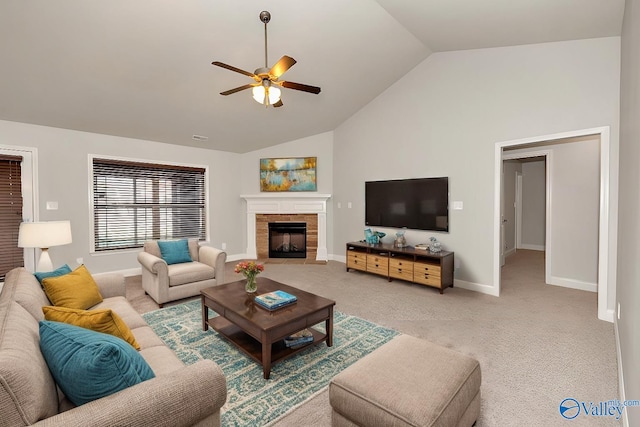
<point>266,89</point>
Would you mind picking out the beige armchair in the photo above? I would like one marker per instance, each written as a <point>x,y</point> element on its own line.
<point>166,283</point>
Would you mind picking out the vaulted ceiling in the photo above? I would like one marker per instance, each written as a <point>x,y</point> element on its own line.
<point>142,69</point>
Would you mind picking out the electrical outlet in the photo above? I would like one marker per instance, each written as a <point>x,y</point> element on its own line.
<point>224,246</point>
<point>79,260</point>
<point>618,311</point>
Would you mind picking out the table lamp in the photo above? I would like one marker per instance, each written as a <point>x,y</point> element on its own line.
<point>44,235</point>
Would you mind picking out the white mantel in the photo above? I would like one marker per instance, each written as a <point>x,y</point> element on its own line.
<point>287,203</point>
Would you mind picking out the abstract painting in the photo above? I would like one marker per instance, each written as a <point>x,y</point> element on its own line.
<point>288,174</point>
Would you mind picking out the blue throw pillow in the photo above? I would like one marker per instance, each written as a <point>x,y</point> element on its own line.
<point>175,251</point>
<point>88,365</point>
<point>55,273</point>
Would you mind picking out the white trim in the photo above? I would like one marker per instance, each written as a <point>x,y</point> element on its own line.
<point>90,157</point>
<point>625,417</point>
<point>531,247</point>
<point>287,203</point>
<point>477,287</point>
<point>510,252</point>
<point>607,234</point>
<point>572,283</point>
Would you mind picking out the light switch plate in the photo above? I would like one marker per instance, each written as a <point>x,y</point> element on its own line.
<point>52,206</point>
<point>457,206</point>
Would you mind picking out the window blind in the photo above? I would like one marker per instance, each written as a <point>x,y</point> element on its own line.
<point>134,202</point>
<point>11,255</point>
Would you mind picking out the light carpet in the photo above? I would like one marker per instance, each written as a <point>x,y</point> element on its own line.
<point>251,399</point>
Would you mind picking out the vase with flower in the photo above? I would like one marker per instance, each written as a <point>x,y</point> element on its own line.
<point>250,269</point>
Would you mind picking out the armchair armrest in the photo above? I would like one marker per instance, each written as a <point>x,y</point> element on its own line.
<point>152,263</point>
<point>215,258</point>
<point>181,398</point>
<point>110,284</point>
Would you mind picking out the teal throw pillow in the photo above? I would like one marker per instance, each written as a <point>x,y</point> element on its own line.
<point>55,273</point>
<point>88,365</point>
<point>175,251</point>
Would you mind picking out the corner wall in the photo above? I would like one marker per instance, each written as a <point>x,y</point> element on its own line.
<point>445,117</point>
<point>628,290</point>
<point>63,176</point>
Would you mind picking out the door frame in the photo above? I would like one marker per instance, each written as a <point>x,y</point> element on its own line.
<point>548,161</point>
<point>608,224</point>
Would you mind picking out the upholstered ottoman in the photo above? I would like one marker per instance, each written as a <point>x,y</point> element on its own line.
<point>407,382</point>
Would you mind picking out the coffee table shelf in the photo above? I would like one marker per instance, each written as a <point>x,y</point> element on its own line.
<point>252,347</point>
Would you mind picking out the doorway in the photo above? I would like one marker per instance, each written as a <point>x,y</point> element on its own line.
<point>604,242</point>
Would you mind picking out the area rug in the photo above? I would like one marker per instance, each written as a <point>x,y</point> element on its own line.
<point>252,400</point>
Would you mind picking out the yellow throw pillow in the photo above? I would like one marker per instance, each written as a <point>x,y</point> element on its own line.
<point>73,290</point>
<point>101,320</point>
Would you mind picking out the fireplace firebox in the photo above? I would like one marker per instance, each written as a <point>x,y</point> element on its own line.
<point>287,240</point>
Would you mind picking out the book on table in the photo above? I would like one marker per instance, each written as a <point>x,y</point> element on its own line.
<point>299,339</point>
<point>275,299</point>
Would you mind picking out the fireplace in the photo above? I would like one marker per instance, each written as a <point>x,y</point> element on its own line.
<point>310,208</point>
<point>287,240</point>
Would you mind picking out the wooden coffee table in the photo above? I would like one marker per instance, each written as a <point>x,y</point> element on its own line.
<point>259,332</point>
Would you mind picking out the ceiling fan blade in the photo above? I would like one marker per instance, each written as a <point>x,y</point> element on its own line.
<point>278,104</point>
<point>237,89</point>
<point>237,70</point>
<point>300,86</point>
<point>281,67</point>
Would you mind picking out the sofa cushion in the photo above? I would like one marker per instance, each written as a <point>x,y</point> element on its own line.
<point>174,251</point>
<point>190,272</point>
<point>65,269</point>
<point>21,286</point>
<point>125,310</point>
<point>73,290</point>
<point>27,389</point>
<point>102,320</point>
<point>88,365</point>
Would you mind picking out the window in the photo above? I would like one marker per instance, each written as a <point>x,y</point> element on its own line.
<point>136,201</point>
<point>11,255</point>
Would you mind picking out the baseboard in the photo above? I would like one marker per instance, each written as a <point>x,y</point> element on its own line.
<point>573,284</point>
<point>340,258</point>
<point>625,417</point>
<point>531,247</point>
<point>477,287</point>
<point>510,252</point>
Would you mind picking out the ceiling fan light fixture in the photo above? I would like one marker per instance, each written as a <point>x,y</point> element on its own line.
<point>266,94</point>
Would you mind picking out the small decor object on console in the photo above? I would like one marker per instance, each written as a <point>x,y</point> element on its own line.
<point>400,241</point>
<point>249,270</point>
<point>276,299</point>
<point>434,245</point>
<point>371,237</point>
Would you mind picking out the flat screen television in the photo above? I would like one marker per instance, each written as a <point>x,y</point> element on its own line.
<point>419,204</point>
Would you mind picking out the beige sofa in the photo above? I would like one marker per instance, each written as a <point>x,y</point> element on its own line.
<point>179,395</point>
<point>166,283</point>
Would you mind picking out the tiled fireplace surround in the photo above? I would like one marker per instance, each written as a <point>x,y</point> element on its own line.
<point>308,208</point>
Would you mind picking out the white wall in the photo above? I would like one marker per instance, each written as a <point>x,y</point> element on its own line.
<point>319,146</point>
<point>63,176</point>
<point>445,117</point>
<point>533,205</point>
<point>628,290</point>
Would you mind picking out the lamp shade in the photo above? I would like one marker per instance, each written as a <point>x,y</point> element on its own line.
<point>270,92</point>
<point>44,234</point>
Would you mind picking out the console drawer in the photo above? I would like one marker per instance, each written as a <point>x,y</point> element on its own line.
<point>401,269</point>
<point>357,260</point>
<point>378,264</point>
<point>427,274</point>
